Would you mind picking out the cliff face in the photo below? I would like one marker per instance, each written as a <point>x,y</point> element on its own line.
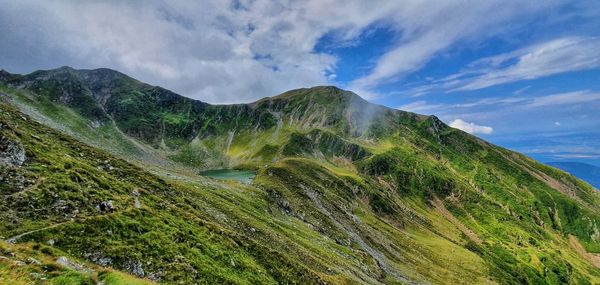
<point>346,192</point>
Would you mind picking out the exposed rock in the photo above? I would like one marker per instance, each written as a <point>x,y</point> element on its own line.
<point>437,126</point>
<point>99,259</point>
<point>12,153</point>
<point>95,124</point>
<point>136,197</point>
<point>135,268</point>
<point>72,265</point>
<point>32,260</point>
<point>538,219</point>
<point>280,201</point>
<point>156,276</point>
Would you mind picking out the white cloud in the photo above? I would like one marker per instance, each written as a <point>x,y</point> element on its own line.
<point>577,155</point>
<point>227,52</point>
<point>560,55</point>
<point>552,57</point>
<point>519,114</point>
<point>207,50</point>
<point>471,128</point>
<point>567,98</point>
<point>421,107</point>
<point>430,27</point>
<point>512,104</point>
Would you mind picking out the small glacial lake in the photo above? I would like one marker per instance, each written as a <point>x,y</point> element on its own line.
<point>244,176</point>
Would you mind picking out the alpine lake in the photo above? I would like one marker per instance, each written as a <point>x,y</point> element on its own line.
<point>244,176</point>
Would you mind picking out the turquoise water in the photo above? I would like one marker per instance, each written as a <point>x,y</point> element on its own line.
<point>244,176</point>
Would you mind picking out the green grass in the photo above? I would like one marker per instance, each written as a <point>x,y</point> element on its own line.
<point>33,263</point>
<point>119,278</point>
<point>334,200</point>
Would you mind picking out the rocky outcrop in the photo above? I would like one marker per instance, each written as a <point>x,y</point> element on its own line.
<point>12,153</point>
<point>435,125</point>
<point>135,267</point>
<point>64,261</point>
<point>5,76</point>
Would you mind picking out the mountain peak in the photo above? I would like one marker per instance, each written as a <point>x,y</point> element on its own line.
<point>330,98</point>
<point>5,75</point>
<point>66,68</point>
<point>322,90</point>
<point>115,94</point>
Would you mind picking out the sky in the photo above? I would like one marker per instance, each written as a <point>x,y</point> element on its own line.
<point>521,74</point>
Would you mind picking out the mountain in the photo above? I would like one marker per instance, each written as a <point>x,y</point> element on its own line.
<point>345,192</point>
<point>587,172</point>
<point>193,132</point>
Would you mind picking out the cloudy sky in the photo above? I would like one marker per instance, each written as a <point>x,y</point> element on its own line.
<point>523,74</point>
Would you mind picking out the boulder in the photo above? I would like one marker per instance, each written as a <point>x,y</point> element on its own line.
<point>12,153</point>
<point>62,260</point>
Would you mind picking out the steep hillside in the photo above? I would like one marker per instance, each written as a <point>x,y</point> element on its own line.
<point>584,171</point>
<point>35,263</point>
<point>105,107</point>
<point>346,192</point>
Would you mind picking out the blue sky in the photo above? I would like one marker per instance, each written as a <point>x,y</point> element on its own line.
<point>522,74</point>
<point>547,110</point>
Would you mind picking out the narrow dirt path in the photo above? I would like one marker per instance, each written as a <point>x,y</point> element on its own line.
<point>28,189</point>
<point>16,238</point>
<point>136,205</point>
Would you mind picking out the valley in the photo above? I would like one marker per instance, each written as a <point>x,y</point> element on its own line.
<point>327,189</point>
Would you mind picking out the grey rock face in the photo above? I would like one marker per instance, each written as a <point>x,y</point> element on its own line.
<point>99,258</point>
<point>72,265</point>
<point>12,153</point>
<point>135,268</point>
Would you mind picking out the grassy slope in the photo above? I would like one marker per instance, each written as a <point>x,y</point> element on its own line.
<point>33,263</point>
<point>202,231</point>
<point>170,233</point>
<point>431,204</point>
<point>522,220</point>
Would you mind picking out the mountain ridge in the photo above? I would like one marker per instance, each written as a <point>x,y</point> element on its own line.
<point>584,171</point>
<point>138,108</point>
<point>344,193</point>
<point>93,74</point>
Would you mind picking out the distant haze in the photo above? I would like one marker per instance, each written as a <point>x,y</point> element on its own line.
<point>586,172</point>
